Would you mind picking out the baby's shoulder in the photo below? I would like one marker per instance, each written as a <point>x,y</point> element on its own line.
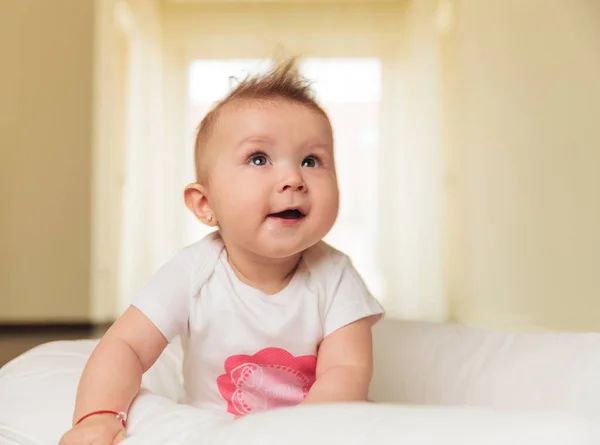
<point>201,254</point>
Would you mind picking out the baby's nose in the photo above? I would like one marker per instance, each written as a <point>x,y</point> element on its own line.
<point>293,181</point>
<point>294,187</point>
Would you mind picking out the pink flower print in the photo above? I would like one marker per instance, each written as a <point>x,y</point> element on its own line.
<point>271,378</point>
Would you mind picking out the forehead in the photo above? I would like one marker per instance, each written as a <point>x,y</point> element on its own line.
<point>278,119</point>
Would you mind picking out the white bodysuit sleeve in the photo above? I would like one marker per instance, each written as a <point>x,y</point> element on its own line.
<point>165,298</point>
<point>349,301</point>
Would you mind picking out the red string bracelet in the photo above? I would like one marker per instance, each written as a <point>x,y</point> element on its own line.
<point>122,416</point>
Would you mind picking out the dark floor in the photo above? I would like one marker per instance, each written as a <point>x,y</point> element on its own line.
<point>15,340</point>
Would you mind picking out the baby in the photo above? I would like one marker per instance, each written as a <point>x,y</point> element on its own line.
<point>268,314</point>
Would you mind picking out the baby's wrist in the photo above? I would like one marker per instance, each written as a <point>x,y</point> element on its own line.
<point>106,419</point>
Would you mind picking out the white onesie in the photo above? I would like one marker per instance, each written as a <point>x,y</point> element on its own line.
<point>246,351</point>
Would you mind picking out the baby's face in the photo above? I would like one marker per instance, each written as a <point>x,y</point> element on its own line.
<point>272,181</point>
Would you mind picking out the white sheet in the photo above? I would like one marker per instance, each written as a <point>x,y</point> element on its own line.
<point>37,393</point>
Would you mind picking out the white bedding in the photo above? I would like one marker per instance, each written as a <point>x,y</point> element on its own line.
<point>37,393</point>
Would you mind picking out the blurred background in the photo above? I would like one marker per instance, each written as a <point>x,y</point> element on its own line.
<point>467,137</point>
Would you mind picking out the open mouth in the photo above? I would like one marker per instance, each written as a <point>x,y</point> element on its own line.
<point>290,214</point>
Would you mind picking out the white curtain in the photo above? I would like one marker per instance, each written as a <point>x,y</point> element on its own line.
<point>413,187</point>
<point>129,153</point>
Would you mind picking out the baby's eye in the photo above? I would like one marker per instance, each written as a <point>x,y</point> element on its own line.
<point>258,160</point>
<point>310,162</point>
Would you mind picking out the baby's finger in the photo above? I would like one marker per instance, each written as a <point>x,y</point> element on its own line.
<point>120,438</point>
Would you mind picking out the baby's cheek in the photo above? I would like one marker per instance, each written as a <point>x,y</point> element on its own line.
<point>236,205</point>
<point>329,204</point>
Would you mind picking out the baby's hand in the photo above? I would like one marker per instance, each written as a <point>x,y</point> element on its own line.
<point>101,429</point>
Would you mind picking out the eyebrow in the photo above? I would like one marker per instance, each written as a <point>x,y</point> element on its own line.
<point>319,146</point>
<point>254,139</point>
<point>323,146</point>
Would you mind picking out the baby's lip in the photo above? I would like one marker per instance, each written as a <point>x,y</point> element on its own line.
<point>291,213</point>
<point>300,211</point>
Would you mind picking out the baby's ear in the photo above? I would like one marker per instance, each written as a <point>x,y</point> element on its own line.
<point>195,200</point>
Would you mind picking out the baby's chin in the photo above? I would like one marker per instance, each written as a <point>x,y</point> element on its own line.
<point>283,252</point>
<point>281,249</point>
<point>271,242</point>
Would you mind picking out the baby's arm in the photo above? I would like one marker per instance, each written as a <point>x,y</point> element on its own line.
<point>344,364</point>
<point>113,374</point>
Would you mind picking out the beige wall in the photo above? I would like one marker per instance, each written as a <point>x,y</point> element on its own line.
<point>524,103</point>
<point>45,137</point>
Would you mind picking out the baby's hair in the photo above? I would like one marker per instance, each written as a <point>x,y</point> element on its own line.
<point>282,82</point>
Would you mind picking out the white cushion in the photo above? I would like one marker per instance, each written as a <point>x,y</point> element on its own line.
<point>364,424</point>
<point>415,363</point>
<point>445,364</point>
